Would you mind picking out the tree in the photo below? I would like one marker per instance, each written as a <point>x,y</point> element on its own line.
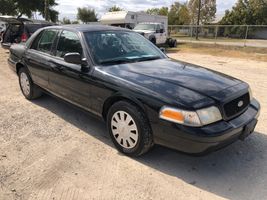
<point>179,14</point>
<point>66,20</point>
<point>114,9</point>
<point>86,15</point>
<point>75,22</point>
<point>205,10</point>
<point>252,12</point>
<point>158,11</point>
<point>26,7</point>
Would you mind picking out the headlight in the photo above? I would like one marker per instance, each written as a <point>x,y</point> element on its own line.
<point>209,115</point>
<point>191,118</point>
<point>250,93</point>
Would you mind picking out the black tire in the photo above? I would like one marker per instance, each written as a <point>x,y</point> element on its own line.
<point>145,137</point>
<point>172,43</point>
<point>34,91</point>
<point>153,40</point>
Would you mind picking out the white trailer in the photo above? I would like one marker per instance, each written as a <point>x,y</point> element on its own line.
<point>155,26</point>
<point>129,19</point>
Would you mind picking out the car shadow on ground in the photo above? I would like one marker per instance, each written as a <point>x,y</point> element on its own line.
<point>236,172</point>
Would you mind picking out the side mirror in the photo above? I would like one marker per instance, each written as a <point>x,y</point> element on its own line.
<point>157,31</point>
<point>161,30</point>
<point>74,58</point>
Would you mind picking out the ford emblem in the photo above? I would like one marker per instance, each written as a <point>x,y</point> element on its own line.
<point>240,104</point>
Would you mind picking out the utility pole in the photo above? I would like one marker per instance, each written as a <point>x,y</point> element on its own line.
<point>198,17</point>
<point>46,9</point>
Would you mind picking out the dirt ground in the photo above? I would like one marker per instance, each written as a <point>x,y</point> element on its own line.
<point>51,150</point>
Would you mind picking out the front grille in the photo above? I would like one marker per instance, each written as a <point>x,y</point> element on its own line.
<point>236,106</point>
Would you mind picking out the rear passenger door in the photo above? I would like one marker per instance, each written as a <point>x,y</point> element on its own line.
<point>38,55</point>
<point>67,80</point>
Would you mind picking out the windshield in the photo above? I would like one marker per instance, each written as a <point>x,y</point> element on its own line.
<point>116,47</point>
<point>150,27</point>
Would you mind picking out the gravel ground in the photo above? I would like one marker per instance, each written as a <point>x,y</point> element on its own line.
<point>51,150</point>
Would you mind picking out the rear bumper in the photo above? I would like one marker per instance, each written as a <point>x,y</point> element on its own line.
<point>208,138</point>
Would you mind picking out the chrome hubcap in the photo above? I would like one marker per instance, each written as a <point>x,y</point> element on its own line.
<point>124,129</point>
<point>24,82</point>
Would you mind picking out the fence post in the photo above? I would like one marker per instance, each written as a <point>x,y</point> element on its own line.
<point>191,37</point>
<point>245,42</point>
<point>216,34</point>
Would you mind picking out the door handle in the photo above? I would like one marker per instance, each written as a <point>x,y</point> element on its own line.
<point>55,65</point>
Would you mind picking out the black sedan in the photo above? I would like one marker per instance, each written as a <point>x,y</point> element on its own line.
<point>145,97</point>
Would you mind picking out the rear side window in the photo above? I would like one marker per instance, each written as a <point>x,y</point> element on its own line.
<point>44,41</point>
<point>47,40</point>
<point>69,42</point>
<point>36,41</point>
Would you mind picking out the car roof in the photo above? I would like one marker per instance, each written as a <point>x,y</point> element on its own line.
<point>88,27</point>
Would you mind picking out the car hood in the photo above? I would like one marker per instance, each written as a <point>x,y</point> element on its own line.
<point>176,79</point>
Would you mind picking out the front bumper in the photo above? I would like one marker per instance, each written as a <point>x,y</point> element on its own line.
<point>199,140</point>
<point>12,64</point>
<point>6,45</point>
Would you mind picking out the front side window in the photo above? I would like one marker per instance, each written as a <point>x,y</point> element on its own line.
<point>69,42</point>
<point>112,47</point>
<point>46,41</point>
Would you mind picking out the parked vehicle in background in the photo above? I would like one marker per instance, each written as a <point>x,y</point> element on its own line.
<point>129,19</point>
<point>153,27</point>
<point>156,33</point>
<point>144,97</point>
<point>2,29</point>
<point>19,29</point>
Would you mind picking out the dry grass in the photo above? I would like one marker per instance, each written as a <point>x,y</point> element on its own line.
<point>259,54</point>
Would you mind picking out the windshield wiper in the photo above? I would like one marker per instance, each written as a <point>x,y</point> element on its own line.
<point>127,60</point>
<point>148,58</point>
<point>116,61</point>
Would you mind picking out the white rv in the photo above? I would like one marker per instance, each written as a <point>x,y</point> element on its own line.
<point>155,27</point>
<point>129,19</point>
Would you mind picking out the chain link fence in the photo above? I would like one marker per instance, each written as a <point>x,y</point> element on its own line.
<point>234,35</point>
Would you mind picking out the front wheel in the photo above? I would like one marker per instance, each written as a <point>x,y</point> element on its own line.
<point>129,129</point>
<point>28,88</point>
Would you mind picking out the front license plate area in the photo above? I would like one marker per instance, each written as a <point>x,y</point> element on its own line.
<point>248,129</point>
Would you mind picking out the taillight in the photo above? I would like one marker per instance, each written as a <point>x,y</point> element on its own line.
<point>24,37</point>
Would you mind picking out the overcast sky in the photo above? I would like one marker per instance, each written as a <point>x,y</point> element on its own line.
<point>68,8</point>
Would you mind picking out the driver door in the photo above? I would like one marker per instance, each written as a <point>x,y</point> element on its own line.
<point>67,80</point>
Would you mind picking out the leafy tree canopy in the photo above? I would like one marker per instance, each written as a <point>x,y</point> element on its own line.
<point>115,8</point>
<point>179,14</point>
<point>66,20</point>
<point>207,10</point>
<point>250,12</point>
<point>86,15</point>
<point>27,7</point>
<point>158,11</point>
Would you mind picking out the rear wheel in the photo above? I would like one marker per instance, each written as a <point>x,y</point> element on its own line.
<point>28,88</point>
<point>172,43</point>
<point>129,129</point>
